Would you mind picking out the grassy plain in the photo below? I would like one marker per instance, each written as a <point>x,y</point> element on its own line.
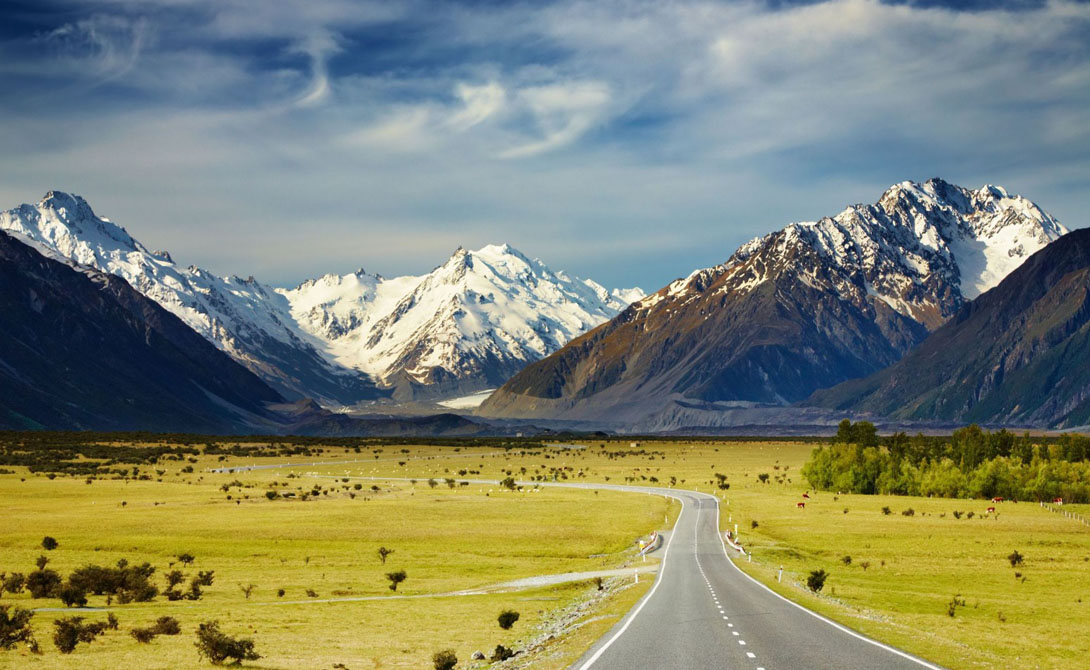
<point>447,540</point>
<point>1032,615</point>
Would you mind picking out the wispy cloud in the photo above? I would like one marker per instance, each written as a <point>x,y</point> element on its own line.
<point>681,127</point>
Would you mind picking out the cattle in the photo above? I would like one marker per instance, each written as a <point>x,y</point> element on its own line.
<point>806,495</point>
<point>997,499</point>
<point>800,505</point>
<point>991,510</point>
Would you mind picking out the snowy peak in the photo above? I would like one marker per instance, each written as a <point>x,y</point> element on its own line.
<point>922,249</point>
<point>467,325</point>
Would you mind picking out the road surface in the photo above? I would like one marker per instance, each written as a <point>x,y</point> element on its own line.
<point>704,613</point>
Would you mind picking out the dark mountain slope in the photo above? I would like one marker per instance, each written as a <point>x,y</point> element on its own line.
<point>80,349</point>
<point>1019,354</point>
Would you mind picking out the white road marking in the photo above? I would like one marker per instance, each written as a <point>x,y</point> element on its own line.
<point>751,654</point>
<point>742,642</point>
<point>832,623</point>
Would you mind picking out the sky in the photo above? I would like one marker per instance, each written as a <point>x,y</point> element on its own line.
<point>630,142</point>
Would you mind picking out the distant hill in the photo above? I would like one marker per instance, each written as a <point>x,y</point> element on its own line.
<point>1019,354</point>
<point>81,349</point>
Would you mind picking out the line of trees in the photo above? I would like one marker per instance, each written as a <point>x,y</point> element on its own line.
<point>970,463</point>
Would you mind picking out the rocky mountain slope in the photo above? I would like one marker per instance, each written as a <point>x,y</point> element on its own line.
<point>803,308</point>
<point>466,326</point>
<point>80,349</point>
<point>1016,355</point>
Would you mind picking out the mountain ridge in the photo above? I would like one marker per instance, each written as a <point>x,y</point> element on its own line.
<point>803,307</point>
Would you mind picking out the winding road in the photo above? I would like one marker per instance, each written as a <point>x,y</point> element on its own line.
<point>703,613</point>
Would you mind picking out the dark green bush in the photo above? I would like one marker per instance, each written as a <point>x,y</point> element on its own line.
<point>816,581</point>
<point>42,583</point>
<point>444,660</point>
<point>218,647</point>
<point>15,626</point>
<point>507,618</point>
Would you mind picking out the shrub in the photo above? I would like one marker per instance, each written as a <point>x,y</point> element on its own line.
<point>909,512</point>
<point>130,583</point>
<point>41,562</point>
<point>846,560</point>
<point>15,626</point>
<point>14,582</point>
<point>72,595</point>
<point>49,544</point>
<point>1016,559</point>
<point>957,514</point>
<point>753,524</point>
<point>218,647</point>
<point>508,483</point>
<point>247,589</point>
<point>174,578</point>
<point>42,583</point>
<point>71,630</point>
<point>164,625</point>
<point>383,552</point>
<point>507,618</point>
<point>280,593</point>
<point>887,511</point>
<point>272,495</point>
<point>186,558</point>
<point>396,578</point>
<point>501,653</point>
<point>953,605</point>
<point>816,581</point>
<point>444,660</point>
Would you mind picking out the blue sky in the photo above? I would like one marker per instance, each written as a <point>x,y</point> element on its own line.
<point>626,141</point>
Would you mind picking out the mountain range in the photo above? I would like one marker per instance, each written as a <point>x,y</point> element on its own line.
<point>803,308</point>
<point>343,340</point>
<point>1016,355</point>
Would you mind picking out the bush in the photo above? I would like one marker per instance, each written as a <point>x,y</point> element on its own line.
<point>1016,559</point>
<point>753,524</point>
<point>909,512</point>
<point>509,483</point>
<point>49,544</point>
<point>186,558</point>
<point>846,560</point>
<point>444,660</point>
<point>396,578</point>
<point>15,626</point>
<point>886,510</point>
<point>130,583</point>
<point>383,553</point>
<point>217,646</point>
<point>71,630</point>
<point>14,582</point>
<point>42,583</point>
<point>816,581</point>
<point>272,495</point>
<point>953,605</point>
<point>164,625</point>
<point>72,595</point>
<point>501,653</point>
<point>507,618</point>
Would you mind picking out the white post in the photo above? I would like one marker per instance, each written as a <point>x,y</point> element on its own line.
<point>636,574</point>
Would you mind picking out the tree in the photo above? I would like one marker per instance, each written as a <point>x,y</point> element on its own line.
<point>216,646</point>
<point>383,552</point>
<point>186,558</point>
<point>396,578</point>
<point>13,583</point>
<point>444,660</point>
<point>763,477</point>
<point>816,581</point>
<point>15,627</point>
<point>507,618</point>
<point>508,483</point>
<point>49,544</point>
<point>247,589</point>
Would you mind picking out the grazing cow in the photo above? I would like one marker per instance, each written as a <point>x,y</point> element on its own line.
<point>806,495</point>
<point>1058,501</point>
<point>997,499</point>
<point>991,510</point>
<point>800,505</point>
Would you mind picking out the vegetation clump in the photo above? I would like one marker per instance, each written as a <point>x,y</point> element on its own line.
<point>15,627</point>
<point>507,618</point>
<point>816,580</point>
<point>444,660</point>
<point>70,631</point>
<point>218,647</point>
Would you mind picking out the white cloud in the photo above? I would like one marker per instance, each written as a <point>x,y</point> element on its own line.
<point>478,104</point>
<point>562,113</point>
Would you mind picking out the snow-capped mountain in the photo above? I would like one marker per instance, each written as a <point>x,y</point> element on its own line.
<point>802,308</point>
<point>244,318</point>
<point>468,325</point>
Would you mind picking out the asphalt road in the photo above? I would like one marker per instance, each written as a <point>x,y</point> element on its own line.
<point>704,613</point>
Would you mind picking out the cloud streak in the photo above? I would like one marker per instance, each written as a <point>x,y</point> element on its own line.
<point>681,127</point>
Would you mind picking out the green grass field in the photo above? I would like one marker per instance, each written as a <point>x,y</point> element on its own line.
<point>904,573</point>
<point>447,540</point>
